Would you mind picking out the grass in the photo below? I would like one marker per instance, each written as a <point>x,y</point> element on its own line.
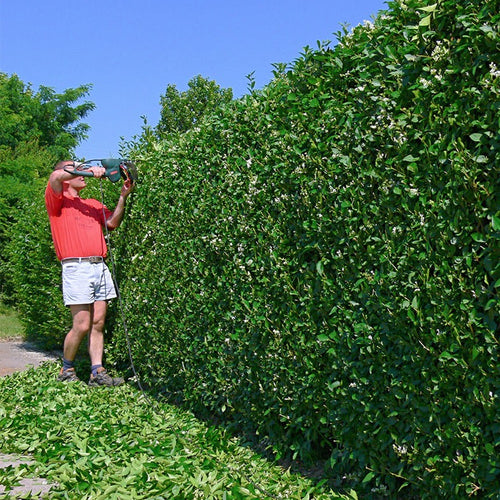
<point>100,443</point>
<point>10,326</point>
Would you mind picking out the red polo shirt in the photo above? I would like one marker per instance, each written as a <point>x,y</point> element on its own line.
<point>76,224</point>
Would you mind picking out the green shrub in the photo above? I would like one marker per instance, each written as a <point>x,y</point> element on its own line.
<point>20,169</point>
<point>318,262</point>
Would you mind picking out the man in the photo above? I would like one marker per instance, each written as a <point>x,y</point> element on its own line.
<point>76,225</point>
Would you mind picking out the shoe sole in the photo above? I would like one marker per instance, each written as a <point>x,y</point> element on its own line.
<point>114,384</point>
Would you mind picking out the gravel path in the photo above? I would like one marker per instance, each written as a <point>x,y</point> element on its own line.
<point>36,486</point>
<point>18,355</point>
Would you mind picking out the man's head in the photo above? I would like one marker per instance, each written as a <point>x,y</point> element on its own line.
<point>77,182</point>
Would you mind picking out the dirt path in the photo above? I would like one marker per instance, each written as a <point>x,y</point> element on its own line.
<point>18,355</point>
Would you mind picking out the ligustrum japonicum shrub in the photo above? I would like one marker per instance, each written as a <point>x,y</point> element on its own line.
<point>317,263</point>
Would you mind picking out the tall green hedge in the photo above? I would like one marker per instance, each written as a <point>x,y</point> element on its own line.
<point>317,264</point>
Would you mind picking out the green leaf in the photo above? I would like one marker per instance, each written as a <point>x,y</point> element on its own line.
<point>478,237</point>
<point>425,21</point>
<point>481,159</point>
<point>428,8</point>
<point>411,158</point>
<point>414,303</point>
<point>368,477</point>
<point>476,137</point>
<point>320,267</point>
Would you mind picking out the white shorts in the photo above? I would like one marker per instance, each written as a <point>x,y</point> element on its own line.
<point>86,283</point>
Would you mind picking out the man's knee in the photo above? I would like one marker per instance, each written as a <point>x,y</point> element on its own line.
<point>98,324</point>
<point>99,317</point>
<point>81,329</point>
<point>82,320</point>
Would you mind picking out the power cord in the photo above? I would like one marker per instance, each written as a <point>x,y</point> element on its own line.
<point>119,297</point>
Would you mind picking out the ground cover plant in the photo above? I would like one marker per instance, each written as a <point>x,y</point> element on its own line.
<point>114,444</point>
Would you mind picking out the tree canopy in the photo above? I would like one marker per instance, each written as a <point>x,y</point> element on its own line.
<point>180,111</point>
<point>50,119</point>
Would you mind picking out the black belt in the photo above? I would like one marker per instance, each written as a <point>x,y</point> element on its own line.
<point>93,259</point>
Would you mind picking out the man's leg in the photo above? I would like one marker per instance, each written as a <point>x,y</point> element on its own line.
<point>82,317</point>
<point>99,376</point>
<point>96,337</point>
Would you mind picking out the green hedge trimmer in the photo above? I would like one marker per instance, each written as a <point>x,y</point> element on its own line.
<point>116,169</point>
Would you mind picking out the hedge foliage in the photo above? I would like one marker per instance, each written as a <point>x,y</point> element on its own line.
<point>318,264</point>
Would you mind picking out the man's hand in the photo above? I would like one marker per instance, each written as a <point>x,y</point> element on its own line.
<point>97,171</point>
<point>127,188</point>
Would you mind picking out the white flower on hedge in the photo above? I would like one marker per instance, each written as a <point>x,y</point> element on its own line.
<point>440,51</point>
<point>401,450</point>
<point>425,83</point>
<point>494,72</point>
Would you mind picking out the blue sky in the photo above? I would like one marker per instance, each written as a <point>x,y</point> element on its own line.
<point>130,50</point>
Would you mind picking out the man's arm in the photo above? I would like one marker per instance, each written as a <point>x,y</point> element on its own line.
<point>116,217</point>
<point>57,177</point>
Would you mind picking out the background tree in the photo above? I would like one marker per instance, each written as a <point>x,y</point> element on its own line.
<point>37,128</point>
<point>180,111</point>
<point>44,116</point>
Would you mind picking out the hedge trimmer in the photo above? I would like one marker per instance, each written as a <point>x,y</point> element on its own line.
<point>116,168</point>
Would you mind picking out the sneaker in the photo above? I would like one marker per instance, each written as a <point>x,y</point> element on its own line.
<point>68,375</point>
<point>103,379</point>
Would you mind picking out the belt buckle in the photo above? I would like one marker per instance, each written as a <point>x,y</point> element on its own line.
<point>95,259</point>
